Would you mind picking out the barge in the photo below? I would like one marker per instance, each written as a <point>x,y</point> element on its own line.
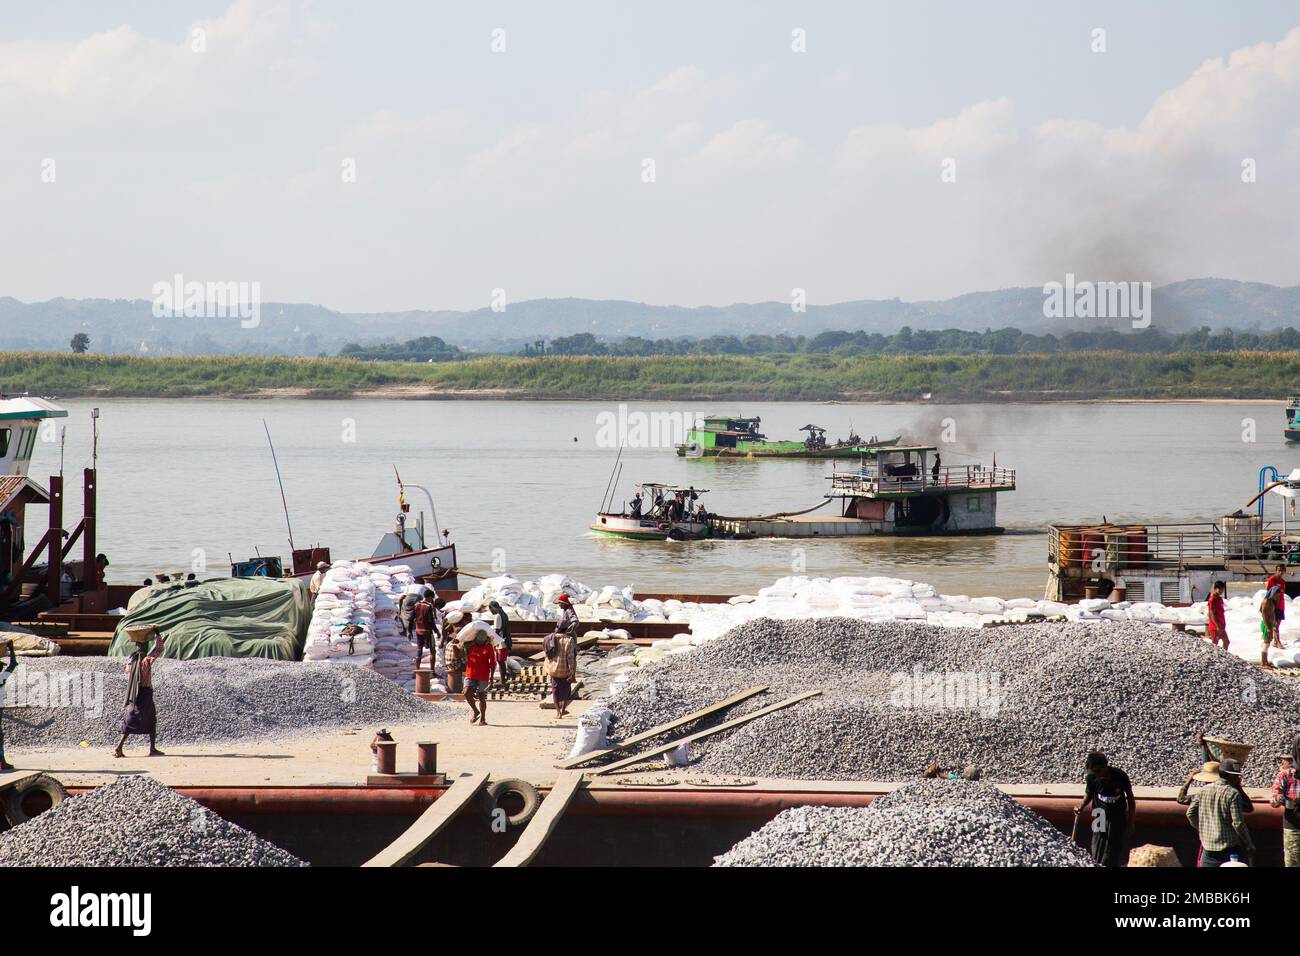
<point>722,437</point>
<point>895,490</point>
<point>1176,563</point>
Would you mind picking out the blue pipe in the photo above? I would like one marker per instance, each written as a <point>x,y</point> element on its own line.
<point>1264,481</point>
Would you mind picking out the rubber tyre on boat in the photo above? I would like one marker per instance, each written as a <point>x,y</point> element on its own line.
<point>490,801</point>
<point>32,798</point>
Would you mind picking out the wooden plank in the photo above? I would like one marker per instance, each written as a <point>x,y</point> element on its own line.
<point>431,821</point>
<point>664,728</point>
<point>543,823</point>
<point>699,735</point>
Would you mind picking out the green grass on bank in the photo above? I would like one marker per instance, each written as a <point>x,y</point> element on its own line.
<point>1093,375</point>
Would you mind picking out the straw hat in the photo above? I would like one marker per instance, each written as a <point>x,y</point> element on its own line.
<point>1213,771</point>
<point>141,633</point>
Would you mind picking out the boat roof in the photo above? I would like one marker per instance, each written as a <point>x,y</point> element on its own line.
<point>666,487</point>
<point>27,407</point>
<point>11,486</point>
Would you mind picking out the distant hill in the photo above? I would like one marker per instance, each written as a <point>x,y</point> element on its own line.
<point>127,326</point>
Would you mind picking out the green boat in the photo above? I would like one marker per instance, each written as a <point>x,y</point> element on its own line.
<point>722,437</point>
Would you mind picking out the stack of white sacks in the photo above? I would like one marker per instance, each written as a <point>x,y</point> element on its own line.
<point>865,598</point>
<point>363,598</point>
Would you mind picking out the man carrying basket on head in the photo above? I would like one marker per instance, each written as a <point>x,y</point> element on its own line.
<point>140,716</point>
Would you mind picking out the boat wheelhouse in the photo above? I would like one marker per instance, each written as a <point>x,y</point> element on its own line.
<point>21,419</point>
<point>1292,430</point>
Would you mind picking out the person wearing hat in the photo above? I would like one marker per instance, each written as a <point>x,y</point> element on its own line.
<point>317,580</point>
<point>501,624</point>
<point>1286,794</point>
<point>1109,791</point>
<point>1218,812</point>
<point>140,716</point>
<point>4,677</point>
<point>561,660</point>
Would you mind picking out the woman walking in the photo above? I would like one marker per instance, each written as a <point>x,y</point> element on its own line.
<point>561,649</point>
<point>140,715</point>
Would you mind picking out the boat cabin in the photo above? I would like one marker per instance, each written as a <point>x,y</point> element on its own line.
<point>908,489</point>
<point>20,423</point>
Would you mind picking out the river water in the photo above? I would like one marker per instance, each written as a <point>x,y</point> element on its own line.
<point>193,479</point>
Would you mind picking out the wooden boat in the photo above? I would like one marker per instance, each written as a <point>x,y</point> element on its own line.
<point>657,524</point>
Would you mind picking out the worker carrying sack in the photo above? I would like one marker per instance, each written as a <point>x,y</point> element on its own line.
<point>561,656</point>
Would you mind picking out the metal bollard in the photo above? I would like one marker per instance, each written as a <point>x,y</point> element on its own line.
<point>423,680</point>
<point>426,752</point>
<point>387,756</point>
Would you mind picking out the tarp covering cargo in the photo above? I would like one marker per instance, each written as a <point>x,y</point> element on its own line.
<point>224,617</point>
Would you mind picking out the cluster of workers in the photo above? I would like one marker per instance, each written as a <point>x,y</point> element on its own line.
<point>1216,810</point>
<point>465,652</point>
<point>682,506</point>
<point>1272,611</point>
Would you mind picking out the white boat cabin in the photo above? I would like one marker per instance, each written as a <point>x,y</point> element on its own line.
<point>20,424</point>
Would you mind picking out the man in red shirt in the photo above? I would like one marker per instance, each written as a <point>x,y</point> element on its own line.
<point>1216,628</point>
<point>480,662</point>
<point>1278,581</point>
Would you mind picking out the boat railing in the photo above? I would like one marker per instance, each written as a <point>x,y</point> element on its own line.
<point>872,479</point>
<point>1111,547</point>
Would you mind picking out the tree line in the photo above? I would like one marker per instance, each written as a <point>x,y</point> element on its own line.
<point>906,341</point>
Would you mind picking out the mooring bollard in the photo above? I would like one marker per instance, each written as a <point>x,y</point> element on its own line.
<point>423,680</point>
<point>387,756</point>
<point>426,752</point>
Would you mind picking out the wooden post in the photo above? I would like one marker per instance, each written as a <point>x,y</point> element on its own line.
<point>90,577</point>
<point>54,575</point>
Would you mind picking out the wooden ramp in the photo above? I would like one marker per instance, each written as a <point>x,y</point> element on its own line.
<point>699,735</point>
<point>543,824</point>
<point>663,728</point>
<point>431,822</point>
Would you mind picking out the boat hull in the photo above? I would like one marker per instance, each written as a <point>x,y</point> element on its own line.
<point>647,529</point>
<point>792,449</point>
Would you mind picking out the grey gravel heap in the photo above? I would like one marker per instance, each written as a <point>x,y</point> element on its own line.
<point>1047,694</point>
<point>135,821</point>
<point>926,823</point>
<point>201,701</point>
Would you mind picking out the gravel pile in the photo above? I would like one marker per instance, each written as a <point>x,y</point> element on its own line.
<point>200,701</point>
<point>927,823</point>
<point>1023,703</point>
<point>135,821</point>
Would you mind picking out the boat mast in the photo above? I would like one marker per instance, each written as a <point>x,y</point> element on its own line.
<point>283,501</point>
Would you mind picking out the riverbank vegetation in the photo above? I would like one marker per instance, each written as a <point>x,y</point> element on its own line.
<point>1077,376</point>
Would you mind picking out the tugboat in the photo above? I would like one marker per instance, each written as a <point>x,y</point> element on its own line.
<point>431,559</point>
<point>672,513</point>
<point>1292,430</point>
<point>723,437</point>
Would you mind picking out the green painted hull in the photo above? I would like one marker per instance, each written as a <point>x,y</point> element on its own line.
<point>773,449</point>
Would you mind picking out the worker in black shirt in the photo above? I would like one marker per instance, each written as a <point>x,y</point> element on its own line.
<point>1108,790</point>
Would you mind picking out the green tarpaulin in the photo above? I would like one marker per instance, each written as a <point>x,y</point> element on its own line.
<point>224,617</point>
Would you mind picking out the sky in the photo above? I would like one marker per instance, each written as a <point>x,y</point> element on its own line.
<point>388,155</point>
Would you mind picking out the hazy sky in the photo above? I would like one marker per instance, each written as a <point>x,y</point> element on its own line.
<point>524,169</point>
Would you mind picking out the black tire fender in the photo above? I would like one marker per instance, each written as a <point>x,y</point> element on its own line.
<point>490,801</point>
<point>18,799</point>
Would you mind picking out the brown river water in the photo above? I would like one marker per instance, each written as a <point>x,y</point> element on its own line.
<point>193,480</point>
